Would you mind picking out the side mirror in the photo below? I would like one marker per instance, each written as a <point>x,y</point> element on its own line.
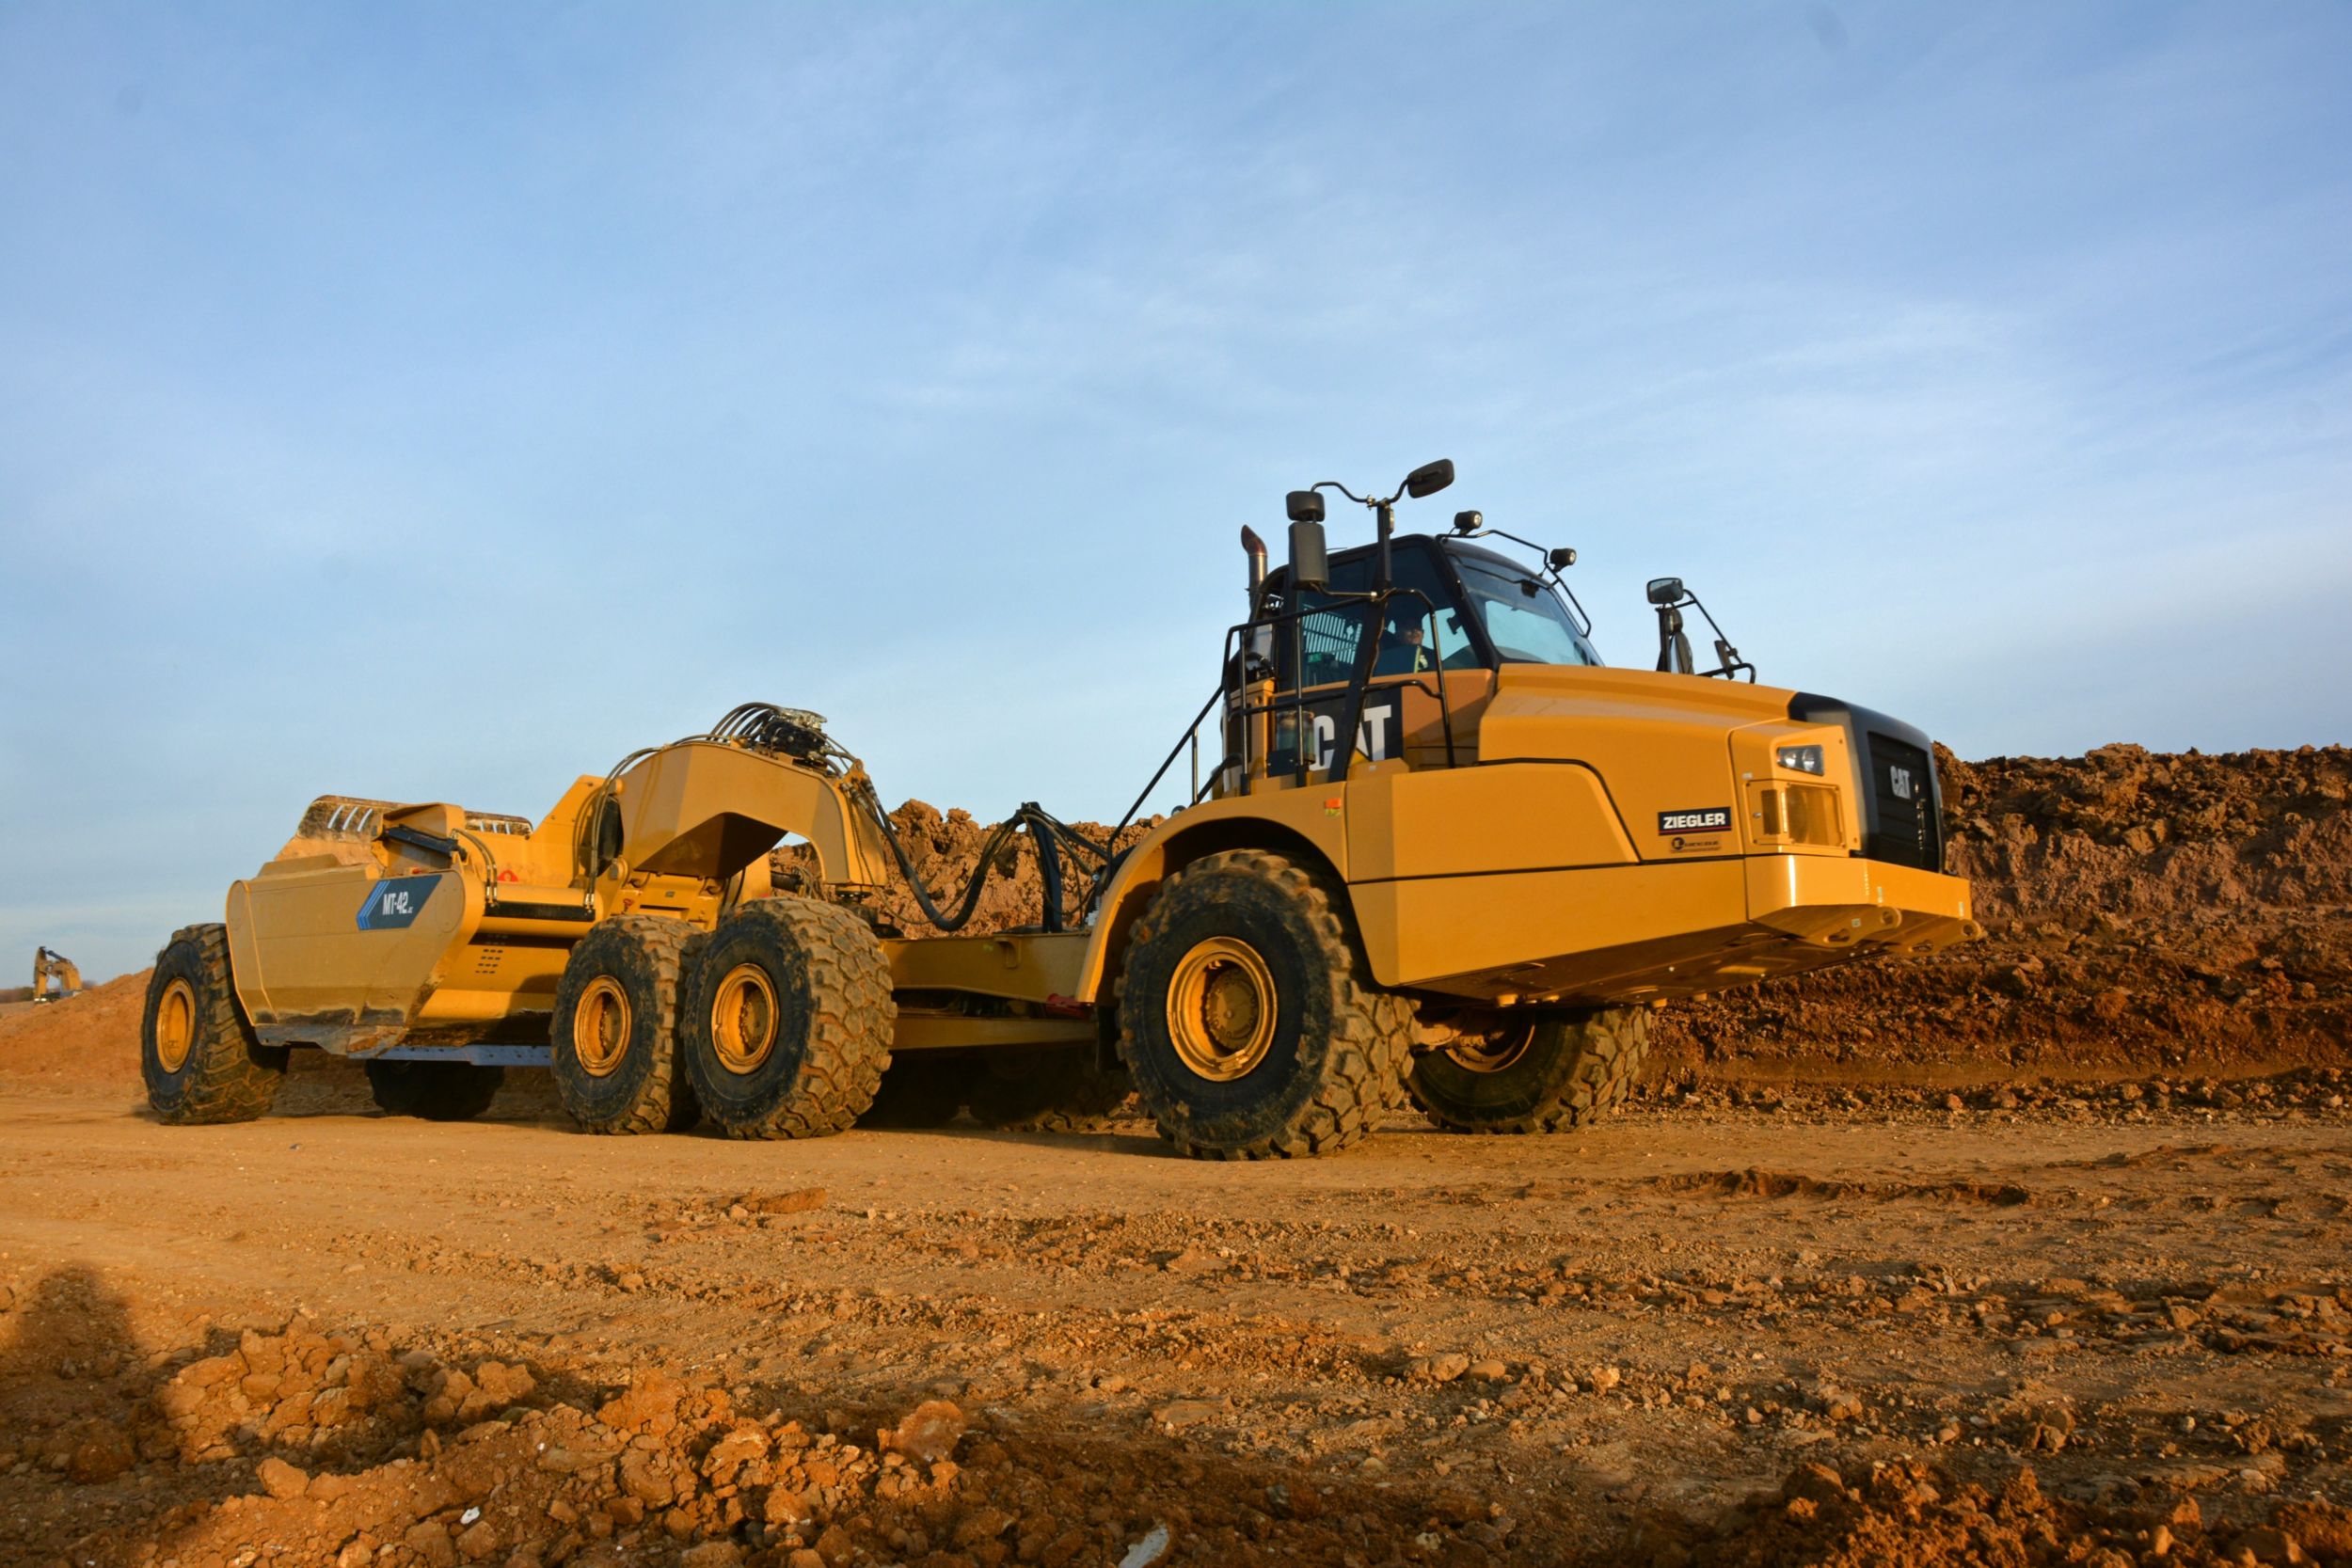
<point>1429,478</point>
<point>1310,564</point>
<point>1666,591</point>
<point>1469,522</point>
<point>1561,558</point>
<point>1304,506</point>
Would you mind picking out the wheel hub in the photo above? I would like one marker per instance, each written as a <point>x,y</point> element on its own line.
<point>175,1025</point>
<point>743,1019</point>
<point>1493,1053</point>
<point>601,1027</point>
<point>1220,1008</point>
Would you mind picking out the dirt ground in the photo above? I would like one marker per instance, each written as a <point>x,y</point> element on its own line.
<point>1851,1326</point>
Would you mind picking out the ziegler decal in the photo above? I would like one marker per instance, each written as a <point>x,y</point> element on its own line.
<point>1715,819</point>
<point>396,902</point>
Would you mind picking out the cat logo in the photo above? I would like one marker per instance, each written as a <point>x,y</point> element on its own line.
<point>396,902</point>
<point>1900,779</point>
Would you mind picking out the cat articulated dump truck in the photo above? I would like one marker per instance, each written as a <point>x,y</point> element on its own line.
<point>1443,853</point>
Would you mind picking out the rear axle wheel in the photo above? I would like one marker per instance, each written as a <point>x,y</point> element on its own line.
<point>614,1027</point>
<point>787,1019</point>
<point>1535,1074</point>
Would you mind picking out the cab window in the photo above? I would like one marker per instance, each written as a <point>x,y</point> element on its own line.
<point>1523,618</point>
<point>1412,639</point>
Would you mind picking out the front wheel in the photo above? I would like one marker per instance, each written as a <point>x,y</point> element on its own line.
<point>1247,1015</point>
<point>1535,1074</point>
<point>199,1055</point>
<point>787,1020</point>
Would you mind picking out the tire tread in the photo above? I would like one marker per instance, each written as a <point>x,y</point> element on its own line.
<point>852,1013</point>
<point>663,939</point>
<point>1608,1058</point>
<point>236,1077</point>
<point>1370,1028</point>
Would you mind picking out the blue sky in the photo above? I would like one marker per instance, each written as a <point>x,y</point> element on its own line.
<point>435,401</point>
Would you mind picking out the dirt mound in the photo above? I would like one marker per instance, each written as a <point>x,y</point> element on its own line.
<point>2143,912</point>
<point>2138,834</point>
<point>78,1042</point>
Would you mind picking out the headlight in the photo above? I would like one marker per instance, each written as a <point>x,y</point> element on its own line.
<point>1800,759</point>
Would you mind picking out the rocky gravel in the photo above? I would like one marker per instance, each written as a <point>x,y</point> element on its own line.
<point>1714,1332</point>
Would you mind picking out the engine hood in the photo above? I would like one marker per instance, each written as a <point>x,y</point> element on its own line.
<point>1662,745</point>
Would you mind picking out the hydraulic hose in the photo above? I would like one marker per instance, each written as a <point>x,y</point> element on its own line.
<point>766,727</point>
<point>1046,830</point>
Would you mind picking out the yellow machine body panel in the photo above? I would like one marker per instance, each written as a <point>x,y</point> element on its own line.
<point>1603,835</point>
<point>380,924</point>
<point>309,961</point>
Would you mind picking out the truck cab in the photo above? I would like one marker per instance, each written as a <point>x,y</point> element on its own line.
<point>1519,823</point>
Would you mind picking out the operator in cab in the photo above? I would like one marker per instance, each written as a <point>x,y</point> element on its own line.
<point>1404,650</point>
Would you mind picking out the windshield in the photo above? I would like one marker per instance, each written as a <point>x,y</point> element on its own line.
<point>1431,628</point>
<point>1524,618</point>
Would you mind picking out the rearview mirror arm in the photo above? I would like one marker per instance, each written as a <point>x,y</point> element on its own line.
<point>1673,646</point>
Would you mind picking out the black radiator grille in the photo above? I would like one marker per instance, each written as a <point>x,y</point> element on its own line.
<point>1903,794</point>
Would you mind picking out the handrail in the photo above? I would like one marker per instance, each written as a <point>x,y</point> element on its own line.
<point>1352,693</point>
<point>1190,734</point>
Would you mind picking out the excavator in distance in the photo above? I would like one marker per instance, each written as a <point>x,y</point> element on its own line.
<point>49,966</point>
<point>1444,854</point>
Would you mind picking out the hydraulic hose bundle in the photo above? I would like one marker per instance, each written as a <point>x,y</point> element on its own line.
<point>1047,832</point>
<point>801,734</point>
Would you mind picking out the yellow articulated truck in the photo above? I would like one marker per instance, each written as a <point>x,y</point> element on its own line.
<point>1442,853</point>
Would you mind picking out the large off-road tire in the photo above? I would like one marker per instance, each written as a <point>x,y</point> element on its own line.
<point>1535,1074</point>
<point>919,1089</point>
<point>1247,1015</point>
<point>614,1030</point>
<point>1044,1091</point>
<point>787,1020</point>
<point>196,1051</point>
<point>436,1091</point>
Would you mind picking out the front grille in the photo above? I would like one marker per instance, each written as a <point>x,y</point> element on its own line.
<point>1902,798</point>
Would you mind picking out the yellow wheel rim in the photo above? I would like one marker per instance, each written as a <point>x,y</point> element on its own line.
<point>175,1026</point>
<point>1220,1009</point>
<point>743,1019</point>
<point>600,1026</point>
<point>1493,1053</point>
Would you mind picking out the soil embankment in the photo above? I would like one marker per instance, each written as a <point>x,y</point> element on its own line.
<point>2145,914</point>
